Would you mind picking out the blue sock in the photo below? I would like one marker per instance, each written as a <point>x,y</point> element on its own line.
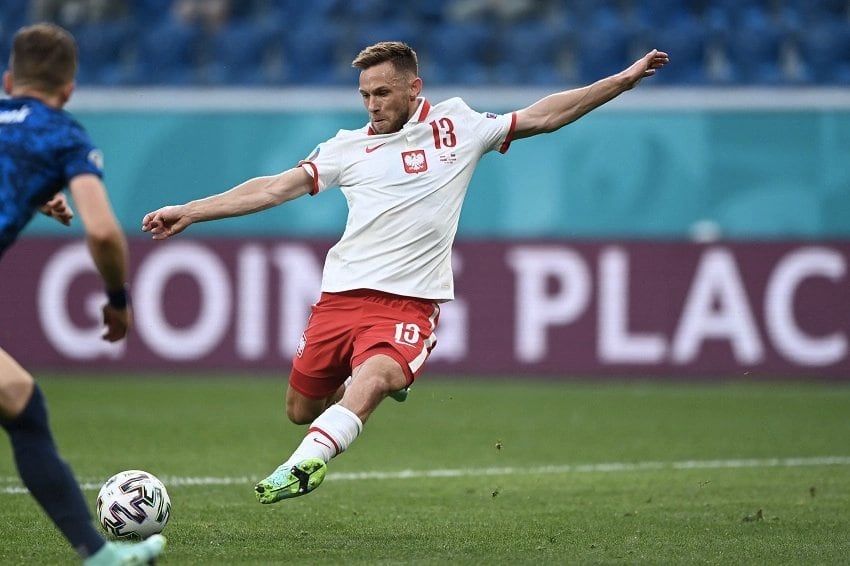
<point>49,478</point>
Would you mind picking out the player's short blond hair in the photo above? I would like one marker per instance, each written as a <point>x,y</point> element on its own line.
<point>399,54</point>
<point>44,57</point>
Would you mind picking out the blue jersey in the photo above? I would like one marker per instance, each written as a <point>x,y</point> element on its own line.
<point>41,150</point>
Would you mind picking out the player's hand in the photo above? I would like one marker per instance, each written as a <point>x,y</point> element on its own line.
<point>646,66</point>
<point>117,322</point>
<point>58,208</point>
<point>166,222</point>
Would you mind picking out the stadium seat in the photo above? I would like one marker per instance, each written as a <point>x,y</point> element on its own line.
<point>676,28</point>
<point>812,12</point>
<point>241,54</point>
<point>603,41</point>
<point>662,13</point>
<point>531,54</point>
<point>428,13</point>
<point>310,54</point>
<point>762,42</point>
<point>688,49</point>
<point>459,53</point>
<point>13,14</point>
<point>169,55</point>
<point>106,52</point>
<point>753,46</point>
<point>390,29</point>
<point>824,52</point>
<point>152,13</point>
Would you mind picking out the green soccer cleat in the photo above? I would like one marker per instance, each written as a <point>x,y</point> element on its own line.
<point>291,481</point>
<point>128,553</point>
<point>400,395</point>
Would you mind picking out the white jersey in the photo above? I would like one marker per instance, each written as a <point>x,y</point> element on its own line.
<point>404,192</point>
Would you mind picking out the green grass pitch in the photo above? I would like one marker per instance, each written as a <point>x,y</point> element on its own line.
<point>468,472</point>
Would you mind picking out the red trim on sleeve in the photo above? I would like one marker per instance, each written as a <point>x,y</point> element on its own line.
<point>315,175</point>
<point>509,138</point>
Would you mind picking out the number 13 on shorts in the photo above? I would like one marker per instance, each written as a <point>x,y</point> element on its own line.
<point>407,333</point>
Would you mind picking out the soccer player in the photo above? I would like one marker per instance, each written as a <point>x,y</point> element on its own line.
<point>404,175</point>
<point>42,150</point>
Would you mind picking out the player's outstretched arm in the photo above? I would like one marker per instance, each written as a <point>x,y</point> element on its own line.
<point>557,110</point>
<point>251,196</point>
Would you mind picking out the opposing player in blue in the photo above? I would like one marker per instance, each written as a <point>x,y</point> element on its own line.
<point>42,151</point>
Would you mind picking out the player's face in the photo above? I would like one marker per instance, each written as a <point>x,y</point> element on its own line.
<point>389,97</point>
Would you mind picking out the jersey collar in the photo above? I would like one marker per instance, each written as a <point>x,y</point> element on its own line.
<point>421,112</point>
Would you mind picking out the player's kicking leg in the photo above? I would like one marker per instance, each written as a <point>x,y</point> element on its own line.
<point>332,431</point>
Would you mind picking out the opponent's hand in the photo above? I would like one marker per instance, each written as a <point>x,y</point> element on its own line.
<point>58,208</point>
<point>117,322</point>
<point>166,222</point>
<point>646,66</point>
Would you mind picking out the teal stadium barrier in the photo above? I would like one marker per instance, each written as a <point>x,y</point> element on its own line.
<point>660,164</point>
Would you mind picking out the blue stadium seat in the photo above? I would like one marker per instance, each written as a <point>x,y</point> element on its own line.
<point>824,51</point>
<point>371,11</point>
<point>688,48</point>
<point>674,27</point>
<point>813,12</point>
<point>241,54</point>
<point>320,13</point>
<point>427,13</point>
<point>458,53</point>
<point>603,40</point>
<point>660,14</point>
<point>753,45</point>
<point>310,54</point>
<point>390,29</point>
<point>169,55</point>
<point>106,51</point>
<point>13,14</point>
<point>578,41</point>
<point>151,13</point>
<point>531,54</point>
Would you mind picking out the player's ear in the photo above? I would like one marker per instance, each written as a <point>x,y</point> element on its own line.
<point>415,88</point>
<point>8,82</point>
<point>67,91</point>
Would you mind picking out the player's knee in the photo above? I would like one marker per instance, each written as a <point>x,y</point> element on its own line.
<point>15,391</point>
<point>299,416</point>
<point>382,374</point>
<point>301,410</point>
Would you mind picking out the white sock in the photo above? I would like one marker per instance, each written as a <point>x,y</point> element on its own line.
<point>329,435</point>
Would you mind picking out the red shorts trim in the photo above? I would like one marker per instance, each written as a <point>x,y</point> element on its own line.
<point>346,329</point>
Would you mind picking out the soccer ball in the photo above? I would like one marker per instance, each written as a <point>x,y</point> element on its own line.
<point>133,504</point>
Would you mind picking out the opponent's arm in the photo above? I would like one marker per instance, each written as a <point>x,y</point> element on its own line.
<point>58,209</point>
<point>557,110</point>
<point>251,196</point>
<point>108,247</point>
